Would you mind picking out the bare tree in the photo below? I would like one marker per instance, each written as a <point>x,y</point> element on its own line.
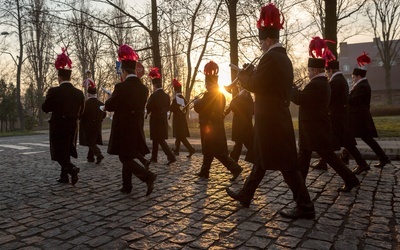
<point>13,14</point>
<point>38,50</point>
<point>385,20</point>
<point>330,16</point>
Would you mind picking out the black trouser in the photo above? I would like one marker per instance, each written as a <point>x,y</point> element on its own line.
<point>354,152</point>
<point>329,157</point>
<point>141,158</point>
<point>185,143</point>
<point>165,148</point>
<point>227,161</point>
<point>93,151</point>
<point>293,179</point>
<point>237,149</point>
<point>129,167</point>
<point>66,168</point>
<point>370,141</point>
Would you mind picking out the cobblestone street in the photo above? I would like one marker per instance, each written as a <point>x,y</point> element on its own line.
<point>185,212</point>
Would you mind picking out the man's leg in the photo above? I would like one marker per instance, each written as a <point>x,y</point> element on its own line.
<point>383,158</point>
<point>189,147</point>
<point>246,194</point>
<point>305,207</point>
<point>177,146</point>
<point>236,151</point>
<point>349,177</point>
<point>154,151</point>
<point>90,156</point>
<point>231,165</point>
<point>362,165</point>
<point>304,162</point>
<point>97,152</point>
<point>205,167</point>
<point>64,172</point>
<point>167,151</point>
<point>129,167</point>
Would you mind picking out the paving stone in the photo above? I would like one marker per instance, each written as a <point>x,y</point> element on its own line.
<point>185,212</point>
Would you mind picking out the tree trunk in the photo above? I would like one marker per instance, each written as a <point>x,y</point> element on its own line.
<point>154,34</point>
<point>19,67</point>
<point>234,42</point>
<point>330,31</point>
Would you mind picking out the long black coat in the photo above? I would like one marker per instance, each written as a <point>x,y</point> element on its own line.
<point>361,121</point>
<point>90,123</point>
<point>66,104</point>
<point>211,118</point>
<point>315,131</point>
<point>242,107</point>
<point>128,101</point>
<point>179,123</point>
<point>158,107</point>
<point>339,112</point>
<point>274,140</point>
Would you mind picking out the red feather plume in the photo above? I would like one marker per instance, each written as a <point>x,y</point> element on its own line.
<point>211,69</point>
<point>270,17</point>
<point>318,49</point>
<point>363,59</point>
<point>176,83</point>
<point>126,53</point>
<point>154,73</point>
<point>63,60</point>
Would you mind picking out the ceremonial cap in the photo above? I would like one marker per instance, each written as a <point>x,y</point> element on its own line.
<point>63,64</point>
<point>177,85</point>
<point>320,55</point>
<point>211,70</point>
<point>155,75</point>
<point>362,61</point>
<point>270,22</point>
<point>128,57</point>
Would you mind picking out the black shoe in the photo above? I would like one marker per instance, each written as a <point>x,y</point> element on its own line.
<point>297,213</point>
<point>153,159</point>
<point>345,159</point>
<point>238,197</point>
<point>382,163</point>
<point>191,152</point>
<point>74,175</point>
<point>99,158</point>
<point>236,174</point>
<point>90,159</point>
<point>347,187</point>
<point>150,183</point>
<point>63,180</point>
<point>320,166</point>
<point>125,191</point>
<point>147,165</point>
<point>203,175</point>
<point>171,161</point>
<point>359,169</point>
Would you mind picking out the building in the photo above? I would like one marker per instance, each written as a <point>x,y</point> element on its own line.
<point>375,71</point>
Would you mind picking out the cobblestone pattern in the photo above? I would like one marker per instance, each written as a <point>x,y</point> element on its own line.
<point>185,212</point>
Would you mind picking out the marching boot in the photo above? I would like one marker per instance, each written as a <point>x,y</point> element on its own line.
<point>191,152</point>
<point>321,165</point>
<point>204,172</point>
<point>383,162</point>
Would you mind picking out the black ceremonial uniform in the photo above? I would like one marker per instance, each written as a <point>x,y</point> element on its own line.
<point>180,129</point>
<point>158,107</point>
<point>90,127</point>
<point>361,121</point>
<point>315,133</point>
<point>242,107</point>
<point>212,131</point>
<point>66,104</point>
<point>127,139</point>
